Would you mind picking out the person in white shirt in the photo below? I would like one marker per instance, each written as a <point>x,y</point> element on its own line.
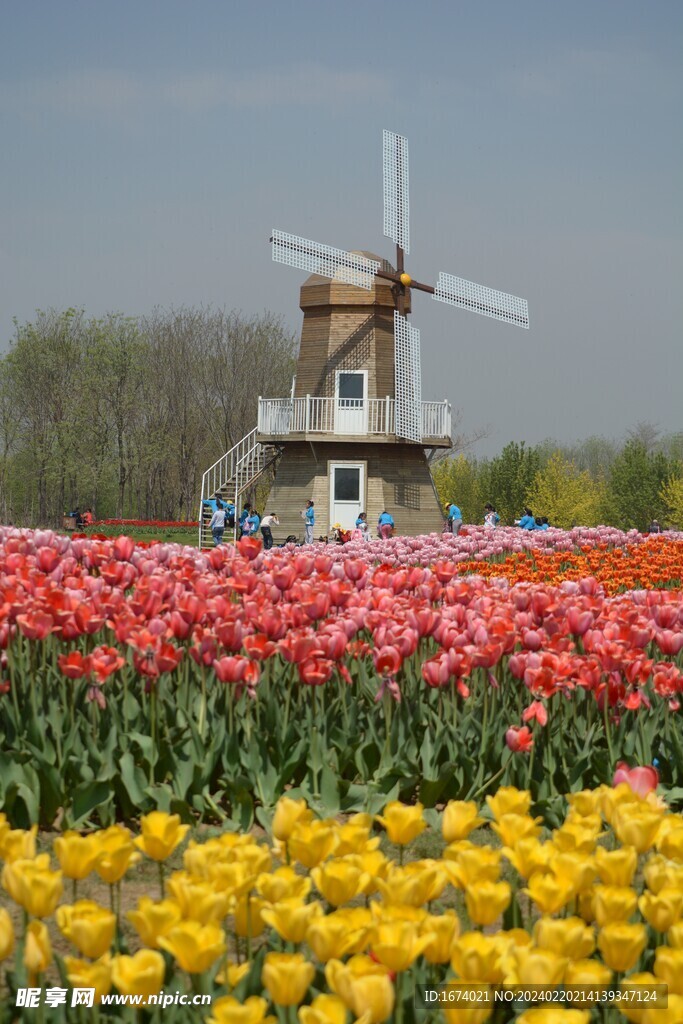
<point>217,525</point>
<point>267,524</point>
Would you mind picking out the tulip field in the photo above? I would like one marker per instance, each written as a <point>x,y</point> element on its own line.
<point>350,769</point>
<point>329,923</point>
<point>139,677</point>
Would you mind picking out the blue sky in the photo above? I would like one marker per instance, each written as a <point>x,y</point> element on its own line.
<point>149,148</point>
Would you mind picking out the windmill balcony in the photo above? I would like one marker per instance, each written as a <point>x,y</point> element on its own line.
<point>312,418</point>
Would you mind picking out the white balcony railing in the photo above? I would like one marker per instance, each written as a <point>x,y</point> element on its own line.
<point>278,417</point>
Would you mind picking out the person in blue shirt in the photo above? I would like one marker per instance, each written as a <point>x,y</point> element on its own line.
<point>362,526</point>
<point>527,522</point>
<point>244,515</point>
<point>252,523</point>
<point>385,525</point>
<point>230,512</point>
<point>541,523</point>
<point>454,518</point>
<point>309,522</point>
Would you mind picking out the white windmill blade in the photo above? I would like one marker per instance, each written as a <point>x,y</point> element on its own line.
<point>408,422</point>
<point>349,267</point>
<point>396,200</point>
<point>487,301</point>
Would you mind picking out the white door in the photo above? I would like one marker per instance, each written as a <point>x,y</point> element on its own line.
<point>352,405</point>
<point>347,494</point>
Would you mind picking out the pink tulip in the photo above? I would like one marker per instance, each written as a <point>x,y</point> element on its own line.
<point>643,779</point>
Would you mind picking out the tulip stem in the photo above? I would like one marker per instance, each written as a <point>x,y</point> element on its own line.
<point>608,732</point>
<point>161,880</point>
<point>399,994</point>
<point>486,785</point>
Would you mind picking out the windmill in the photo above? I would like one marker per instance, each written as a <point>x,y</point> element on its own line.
<point>360,271</point>
<point>354,432</point>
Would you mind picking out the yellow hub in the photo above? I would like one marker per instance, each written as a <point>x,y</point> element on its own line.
<point>406,280</point>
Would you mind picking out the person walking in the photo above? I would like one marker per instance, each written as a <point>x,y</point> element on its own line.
<point>267,523</point>
<point>308,516</point>
<point>454,518</point>
<point>385,525</point>
<point>217,525</point>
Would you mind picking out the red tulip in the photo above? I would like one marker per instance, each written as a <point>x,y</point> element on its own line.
<point>249,547</point>
<point>74,664</point>
<point>642,780</point>
<point>124,548</point>
<point>387,660</point>
<point>519,739</point>
<point>105,661</point>
<point>537,711</point>
<point>316,671</point>
<point>35,625</point>
<point>230,669</point>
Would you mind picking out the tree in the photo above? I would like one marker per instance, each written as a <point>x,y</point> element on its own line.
<point>458,480</point>
<point>505,480</point>
<point>566,495</point>
<point>672,496</point>
<point>635,486</point>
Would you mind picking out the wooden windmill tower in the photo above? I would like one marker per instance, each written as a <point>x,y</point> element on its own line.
<point>355,432</point>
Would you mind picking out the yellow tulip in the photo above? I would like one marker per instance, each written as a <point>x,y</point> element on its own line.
<point>283,884</point>
<point>443,930</point>
<point>256,857</point>
<point>408,886</point>
<point>616,867</point>
<point>6,934</point>
<point>286,977</point>
<point>537,967</point>
<point>612,798</point>
<point>291,918</point>
<point>198,901</point>
<point>374,865</point>
<point>402,823</point>
<point>621,944</point>
<point>554,1015</point>
<point>33,885</point>
<point>288,814</point>
<point>89,926</point>
<point>154,919</point>
<point>329,937</point>
<point>661,910</point>
<point>636,825</point>
<point>231,973</point>
<point>338,881</point>
<point>567,936</point>
<point>87,974</point>
<point>139,975</point>
<point>529,855</point>
<point>575,838</point>
<point>576,869</point>
<point>18,844</point>
<point>228,1010</point>
<point>472,864</point>
<point>76,854</point>
<point>115,853</point>
<point>586,803</point>
<point>231,879</point>
<point>162,833</point>
<point>432,876</point>
<point>587,972</point>
<point>613,903</point>
<point>312,842</point>
<point>670,841</point>
<point>548,892</point>
<point>324,1009</point>
<point>459,819</point>
<point>357,923</point>
<point>660,873</point>
<point>508,800</point>
<point>672,1014</point>
<point>510,828</point>
<point>477,957</point>
<point>354,836</point>
<point>487,900</point>
<point>631,1010</point>
<point>37,949</point>
<point>248,916</point>
<point>195,947</point>
<point>364,986</point>
<point>398,944</point>
<point>668,968</point>
<point>675,935</point>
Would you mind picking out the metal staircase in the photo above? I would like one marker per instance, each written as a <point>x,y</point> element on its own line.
<point>231,475</point>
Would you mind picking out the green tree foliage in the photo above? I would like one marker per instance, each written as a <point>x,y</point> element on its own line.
<point>672,496</point>
<point>506,479</point>
<point>125,415</point>
<point>566,495</point>
<point>636,480</point>
<point>458,480</point>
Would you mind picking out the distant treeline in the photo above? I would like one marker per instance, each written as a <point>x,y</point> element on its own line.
<point>124,414</point>
<point>590,483</point>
